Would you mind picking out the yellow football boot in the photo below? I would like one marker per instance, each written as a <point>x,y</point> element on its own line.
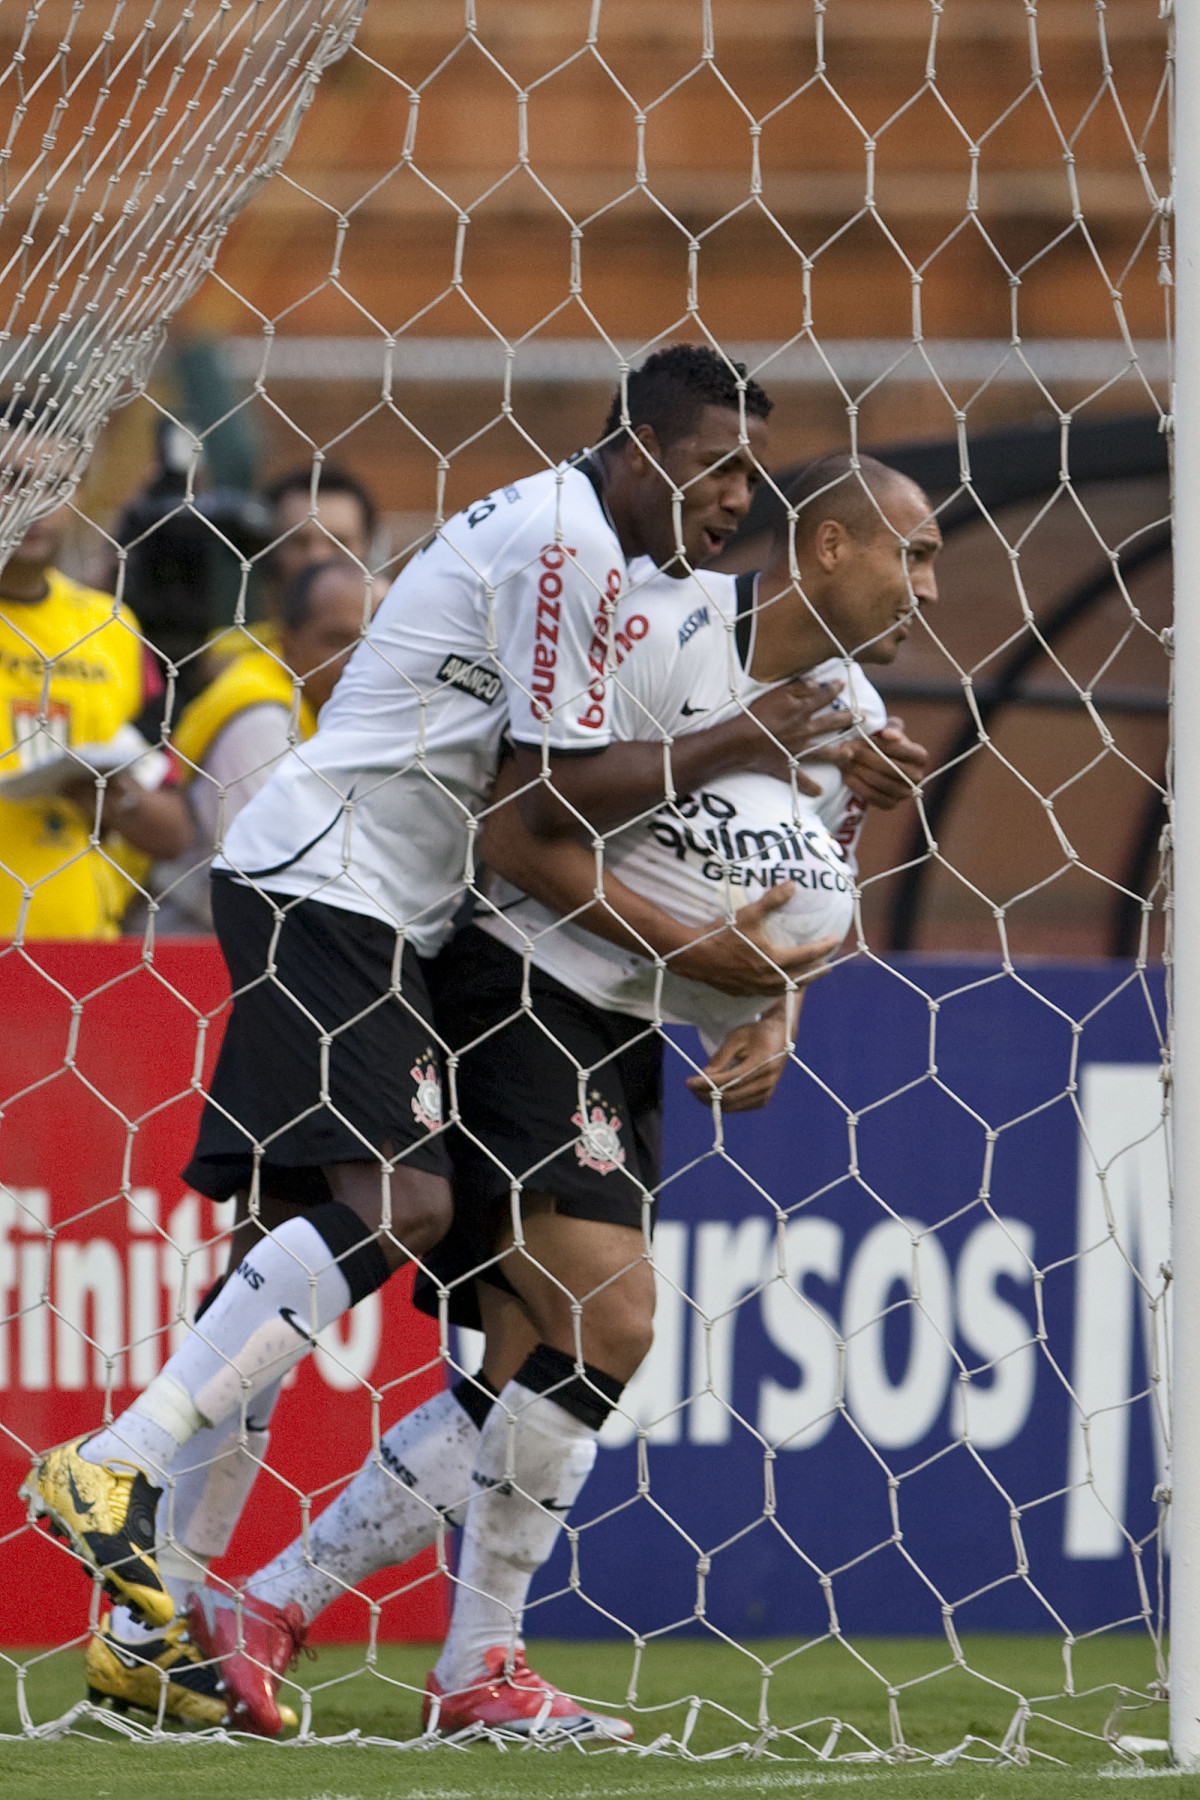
<point>106,1513</point>
<point>125,1675</point>
<point>133,1675</point>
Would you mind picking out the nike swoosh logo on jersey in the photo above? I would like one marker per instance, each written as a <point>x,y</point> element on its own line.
<point>289,1317</point>
<point>81,1505</point>
<point>689,711</point>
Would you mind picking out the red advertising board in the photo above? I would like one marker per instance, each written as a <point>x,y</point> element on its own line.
<point>104,1252</point>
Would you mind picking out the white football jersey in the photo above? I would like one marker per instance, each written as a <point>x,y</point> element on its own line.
<point>500,624</point>
<point>683,649</point>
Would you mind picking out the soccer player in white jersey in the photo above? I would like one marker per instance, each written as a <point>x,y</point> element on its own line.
<point>565,1097</point>
<point>347,868</point>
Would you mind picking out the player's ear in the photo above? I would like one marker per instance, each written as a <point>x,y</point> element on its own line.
<point>829,543</point>
<point>644,451</point>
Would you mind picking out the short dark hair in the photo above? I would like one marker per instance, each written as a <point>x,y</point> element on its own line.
<point>331,480</point>
<point>850,489</point>
<point>673,386</point>
<point>296,607</point>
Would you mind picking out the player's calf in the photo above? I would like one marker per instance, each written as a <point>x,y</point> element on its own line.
<point>588,1288</point>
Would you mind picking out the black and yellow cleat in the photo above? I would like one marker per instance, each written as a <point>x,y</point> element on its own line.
<point>106,1514</point>
<point>128,1675</point>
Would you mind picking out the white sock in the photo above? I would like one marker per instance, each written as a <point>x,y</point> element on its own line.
<point>534,1458</point>
<point>199,1510</point>
<point>207,1488</point>
<point>129,1630</point>
<point>393,1509</point>
<point>261,1324</point>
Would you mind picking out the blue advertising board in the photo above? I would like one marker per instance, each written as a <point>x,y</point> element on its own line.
<point>909,1346</point>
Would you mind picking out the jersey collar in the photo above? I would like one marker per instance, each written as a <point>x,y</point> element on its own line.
<point>585,462</point>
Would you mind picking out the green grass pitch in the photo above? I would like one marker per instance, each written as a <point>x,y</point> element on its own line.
<point>938,1707</point>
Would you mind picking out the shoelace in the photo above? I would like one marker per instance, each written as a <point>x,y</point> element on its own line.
<point>297,1630</point>
<point>523,1676</point>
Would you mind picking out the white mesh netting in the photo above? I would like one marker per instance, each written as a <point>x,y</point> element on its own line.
<point>134,140</point>
<point>908,1378</point>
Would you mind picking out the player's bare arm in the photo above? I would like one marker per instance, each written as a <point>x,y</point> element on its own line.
<point>744,1071</point>
<point>564,874</point>
<point>625,779</point>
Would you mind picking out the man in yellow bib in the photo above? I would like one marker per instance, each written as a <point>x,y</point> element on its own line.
<point>233,733</point>
<point>73,671</point>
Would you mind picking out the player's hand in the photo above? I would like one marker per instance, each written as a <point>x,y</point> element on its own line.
<point>883,770</point>
<point>790,718</point>
<point>737,957</point>
<point>745,1070</point>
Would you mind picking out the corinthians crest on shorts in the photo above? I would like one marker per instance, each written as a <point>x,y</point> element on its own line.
<point>599,1145</point>
<point>427,1101</point>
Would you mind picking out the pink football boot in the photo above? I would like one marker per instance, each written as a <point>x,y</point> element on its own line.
<point>515,1701</point>
<point>253,1643</point>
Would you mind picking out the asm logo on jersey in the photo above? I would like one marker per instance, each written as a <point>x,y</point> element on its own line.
<point>692,624</point>
<point>427,1101</point>
<point>599,1145</point>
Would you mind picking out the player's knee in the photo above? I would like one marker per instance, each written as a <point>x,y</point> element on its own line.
<point>618,1334</point>
<point>423,1218</point>
<point>408,1219</point>
<point>638,1339</point>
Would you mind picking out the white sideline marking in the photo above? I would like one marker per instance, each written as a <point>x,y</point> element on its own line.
<point>780,1778</point>
<point>1121,1773</point>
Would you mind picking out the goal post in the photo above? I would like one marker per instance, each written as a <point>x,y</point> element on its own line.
<point>1185,1099</point>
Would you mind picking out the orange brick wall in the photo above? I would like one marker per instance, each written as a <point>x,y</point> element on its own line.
<point>346,243</point>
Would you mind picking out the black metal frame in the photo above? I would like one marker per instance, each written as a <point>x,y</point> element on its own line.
<point>1007,467</point>
<point>1006,691</point>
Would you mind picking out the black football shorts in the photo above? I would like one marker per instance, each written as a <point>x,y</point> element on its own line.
<point>330,1053</point>
<point>560,1098</point>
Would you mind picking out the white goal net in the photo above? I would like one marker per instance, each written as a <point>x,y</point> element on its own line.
<point>136,135</point>
<point>294,282</point>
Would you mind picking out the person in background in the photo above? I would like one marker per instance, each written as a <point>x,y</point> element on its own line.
<point>183,540</point>
<point>232,734</point>
<point>345,515</point>
<point>74,672</point>
<point>344,520</point>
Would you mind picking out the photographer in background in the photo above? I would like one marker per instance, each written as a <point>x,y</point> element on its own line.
<point>343,520</point>
<point>181,575</point>
<point>345,517</point>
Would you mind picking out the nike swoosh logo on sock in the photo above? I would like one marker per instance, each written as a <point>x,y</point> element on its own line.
<point>286,1313</point>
